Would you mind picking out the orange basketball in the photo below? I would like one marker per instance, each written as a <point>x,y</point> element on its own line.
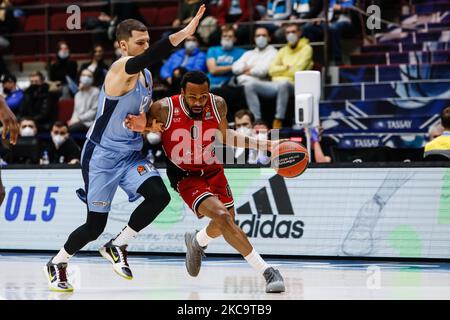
<point>290,159</point>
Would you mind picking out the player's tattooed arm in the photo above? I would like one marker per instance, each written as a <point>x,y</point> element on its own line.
<point>231,137</point>
<point>153,121</point>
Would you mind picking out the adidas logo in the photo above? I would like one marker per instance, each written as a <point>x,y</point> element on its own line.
<point>264,223</point>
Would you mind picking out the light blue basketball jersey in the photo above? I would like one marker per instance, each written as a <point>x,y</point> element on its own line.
<point>109,130</point>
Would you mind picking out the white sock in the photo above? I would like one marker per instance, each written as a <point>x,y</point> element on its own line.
<point>202,238</point>
<point>255,260</point>
<point>61,257</point>
<point>124,237</point>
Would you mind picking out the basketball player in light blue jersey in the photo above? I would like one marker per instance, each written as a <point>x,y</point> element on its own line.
<point>112,155</point>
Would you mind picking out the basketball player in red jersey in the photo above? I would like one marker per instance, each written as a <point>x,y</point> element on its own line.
<point>190,123</point>
<point>11,126</point>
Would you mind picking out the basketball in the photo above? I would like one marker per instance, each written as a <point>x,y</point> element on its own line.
<point>290,159</point>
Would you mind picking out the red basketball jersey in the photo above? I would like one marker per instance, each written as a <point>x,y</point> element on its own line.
<point>188,142</point>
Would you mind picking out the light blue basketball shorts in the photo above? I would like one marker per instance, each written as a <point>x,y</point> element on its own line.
<point>104,170</point>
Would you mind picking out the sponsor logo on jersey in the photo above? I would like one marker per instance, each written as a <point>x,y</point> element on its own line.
<point>141,170</point>
<point>100,203</point>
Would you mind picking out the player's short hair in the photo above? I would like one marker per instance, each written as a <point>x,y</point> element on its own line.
<point>445,118</point>
<point>244,112</point>
<point>196,77</point>
<point>126,27</point>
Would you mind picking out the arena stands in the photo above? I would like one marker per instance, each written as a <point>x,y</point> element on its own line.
<point>388,95</point>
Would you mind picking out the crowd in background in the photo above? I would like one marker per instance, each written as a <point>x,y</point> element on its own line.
<point>252,77</point>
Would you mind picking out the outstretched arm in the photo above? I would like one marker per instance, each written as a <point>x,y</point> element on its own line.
<point>232,138</point>
<point>163,47</point>
<point>123,74</point>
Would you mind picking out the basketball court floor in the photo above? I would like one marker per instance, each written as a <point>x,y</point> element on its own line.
<point>22,277</point>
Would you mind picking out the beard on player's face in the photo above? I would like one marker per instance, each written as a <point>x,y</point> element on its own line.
<point>195,105</point>
<point>196,110</point>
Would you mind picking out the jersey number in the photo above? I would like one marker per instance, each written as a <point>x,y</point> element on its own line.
<point>194,132</point>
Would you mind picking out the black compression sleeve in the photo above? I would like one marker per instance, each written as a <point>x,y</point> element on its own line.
<point>154,53</point>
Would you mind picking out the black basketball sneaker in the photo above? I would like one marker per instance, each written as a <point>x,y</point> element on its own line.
<point>57,276</point>
<point>118,257</point>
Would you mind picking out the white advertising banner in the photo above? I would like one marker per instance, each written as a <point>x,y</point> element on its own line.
<point>377,212</point>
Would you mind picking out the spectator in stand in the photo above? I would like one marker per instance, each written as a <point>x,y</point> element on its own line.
<point>220,67</point>
<point>306,9</point>
<point>97,66</point>
<point>64,70</point>
<point>62,149</point>
<point>6,22</point>
<point>220,59</point>
<point>295,56</point>
<point>191,58</point>
<point>243,123</point>
<point>254,65</point>
<point>319,155</point>
<point>28,147</point>
<point>152,147</point>
<point>13,95</point>
<point>85,105</point>
<point>435,131</point>
<point>234,12</point>
<point>339,22</point>
<point>274,12</point>
<point>261,131</point>
<point>35,104</point>
<point>439,148</point>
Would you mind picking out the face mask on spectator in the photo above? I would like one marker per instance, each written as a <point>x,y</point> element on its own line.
<point>262,136</point>
<point>261,42</point>
<point>190,46</point>
<point>227,44</point>
<point>63,54</point>
<point>27,132</point>
<point>58,139</point>
<point>244,130</point>
<point>86,80</point>
<point>292,38</point>
<point>154,138</point>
